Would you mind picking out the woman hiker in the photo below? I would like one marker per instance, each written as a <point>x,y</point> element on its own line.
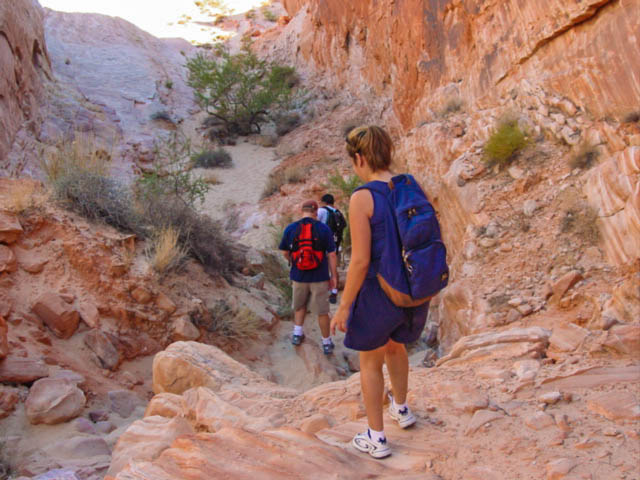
<point>374,326</point>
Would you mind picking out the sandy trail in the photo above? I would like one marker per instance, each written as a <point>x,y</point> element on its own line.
<point>243,183</point>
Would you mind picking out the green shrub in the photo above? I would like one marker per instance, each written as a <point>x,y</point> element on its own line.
<point>343,187</point>
<point>241,90</point>
<point>213,158</point>
<point>168,84</point>
<point>171,176</point>
<point>268,14</point>
<point>504,143</point>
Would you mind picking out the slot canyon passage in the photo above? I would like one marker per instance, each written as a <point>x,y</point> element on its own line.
<point>145,312</point>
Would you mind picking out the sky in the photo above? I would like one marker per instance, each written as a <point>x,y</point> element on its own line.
<point>153,16</point>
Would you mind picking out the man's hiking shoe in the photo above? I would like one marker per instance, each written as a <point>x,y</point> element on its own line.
<point>366,444</point>
<point>404,417</point>
<point>327,348</point>
<point>297,339</point>
<point>333,298</point>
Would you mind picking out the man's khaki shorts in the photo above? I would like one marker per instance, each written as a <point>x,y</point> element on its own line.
<point>314,295</point>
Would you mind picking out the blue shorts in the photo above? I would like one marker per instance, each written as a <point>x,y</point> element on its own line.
<point>374,319</point>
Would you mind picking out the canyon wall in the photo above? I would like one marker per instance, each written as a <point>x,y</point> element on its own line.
<point>24,60</point>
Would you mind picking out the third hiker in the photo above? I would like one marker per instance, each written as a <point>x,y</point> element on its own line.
<point>335,220</point>
<point>308,245</point>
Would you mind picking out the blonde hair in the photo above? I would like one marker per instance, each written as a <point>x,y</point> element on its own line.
<point>373,143</point>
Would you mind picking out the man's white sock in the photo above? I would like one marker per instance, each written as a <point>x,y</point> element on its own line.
<point>398,406</point>
<point>334,291</point>
<point>327,341</point>
<point>297,330</point>
<point>377,436</point>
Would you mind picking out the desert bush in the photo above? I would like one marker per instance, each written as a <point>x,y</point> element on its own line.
<point>584,157</point>
<point>165,252</point>
<point>168,84</point>
<point>268,14</point>
<point>290,174</point>
<point>343,187</point>
<point>582,222</point>
<point>286,122</point>
<point>241,90</point>
<point>235,325</point>
<point>504,143</point>
<point>213,158</point>
<point>171,175</point>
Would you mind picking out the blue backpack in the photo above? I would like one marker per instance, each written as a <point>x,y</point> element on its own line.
<point>413,267</point>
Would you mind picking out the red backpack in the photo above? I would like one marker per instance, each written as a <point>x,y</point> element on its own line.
<point>305,249</point>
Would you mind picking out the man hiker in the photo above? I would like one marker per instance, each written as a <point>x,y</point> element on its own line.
<point>309,247</point>
<point>335,220</point>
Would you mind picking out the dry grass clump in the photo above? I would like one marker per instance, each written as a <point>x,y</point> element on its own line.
<point>23,196</point>
<point>585,157</point>
<point>236,325</point>
<point>286,123</point>
<point>290,174</point>
<point>165,252</point>
<point>70,156</point>
<point>505,142</point>
<point>582,222</point>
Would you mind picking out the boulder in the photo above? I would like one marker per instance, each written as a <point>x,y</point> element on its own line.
<point>57,314</point>
<point>623,339</point>
<point>145,439</point>
<point>8,262</point>
<point>10,228</point>
<point>106,354</point>
<point>4,343</point>
<point>89,314</point>
<point>567,338</point>
<point>52,401</point>
<point>21,370</point>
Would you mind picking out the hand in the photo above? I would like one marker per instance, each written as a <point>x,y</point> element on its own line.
<point>339,320</point>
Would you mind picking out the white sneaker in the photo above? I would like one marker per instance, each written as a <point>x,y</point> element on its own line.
<point>366,444</point>
<point>404,417</point>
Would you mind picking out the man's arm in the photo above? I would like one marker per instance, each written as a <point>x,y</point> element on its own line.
<point>333,268</point>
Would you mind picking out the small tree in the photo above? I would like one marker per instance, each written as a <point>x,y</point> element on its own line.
<point>240,89</point>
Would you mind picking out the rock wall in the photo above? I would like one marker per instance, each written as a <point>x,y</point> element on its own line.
<point>570,67</point>
<point>23,62</point>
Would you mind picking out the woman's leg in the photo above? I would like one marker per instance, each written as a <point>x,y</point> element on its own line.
<point>372,382</point>
<point>397,362</point>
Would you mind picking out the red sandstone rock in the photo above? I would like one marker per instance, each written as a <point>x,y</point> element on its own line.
<point>616,406</point>
<point>183,329</point>
<point>164,303</point>
<point>8,261</point>
<point>564,283</point>
<point>52,401</point>
<point>4,344</point>
<point>59,316</point>
<point>567,338</point>
<point>89,314</point>
<point>8,399</point>
<point>141,295</point>
<point>10,228</point>
<point>106,354</point>
<point>21,370</point>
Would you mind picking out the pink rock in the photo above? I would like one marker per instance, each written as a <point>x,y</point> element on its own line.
<point>89,314</point>
<point>314,423</point>
<point>141,295</point>
<point>164,303</point>
<point>106,354</point>
<point>558,469</point>
<point>8,262</point>
<point>568,337</point>
<point>52,401</point>
<point>59,316</point>
<point>8,399</point>
<point>616,406</point>
<point>624,339</point>
<point>21,370</point>
<point>10,228</point>
<point>539,421</point>
<point>564,283</point>
<point>183,329</point>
